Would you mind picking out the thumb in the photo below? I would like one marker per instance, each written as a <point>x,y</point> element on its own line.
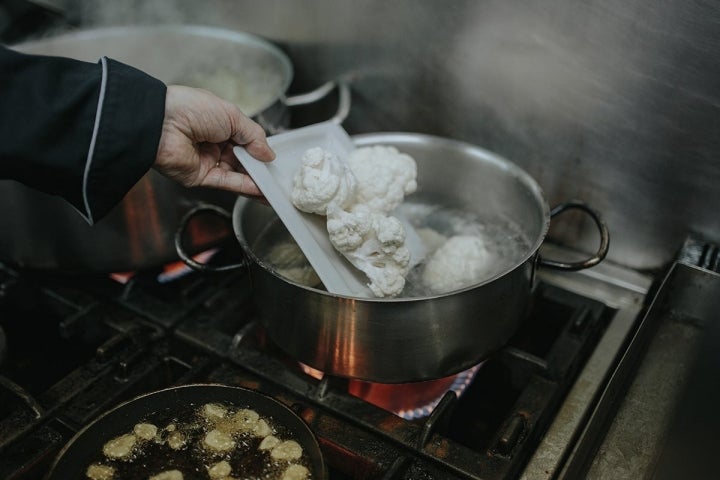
<point>260,149</point>
<point>251,136</point>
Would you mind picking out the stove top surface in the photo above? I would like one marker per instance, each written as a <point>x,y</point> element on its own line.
<point>78,346</point>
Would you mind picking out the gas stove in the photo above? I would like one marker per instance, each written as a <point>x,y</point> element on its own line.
<point>78,345</point>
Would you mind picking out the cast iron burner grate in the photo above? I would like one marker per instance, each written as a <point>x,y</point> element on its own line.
<point>98,342</point>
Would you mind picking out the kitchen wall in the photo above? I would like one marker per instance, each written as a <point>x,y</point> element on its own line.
<point>615,102</point>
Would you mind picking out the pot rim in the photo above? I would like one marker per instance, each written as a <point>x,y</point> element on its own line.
<point>419,138</point>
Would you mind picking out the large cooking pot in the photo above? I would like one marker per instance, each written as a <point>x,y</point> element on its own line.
<point>168,406</point>
<point>41,231</point>
<point>424,337</point>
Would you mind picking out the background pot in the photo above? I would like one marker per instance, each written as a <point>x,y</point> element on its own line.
<point>41,231</point>
<point>422,338</point>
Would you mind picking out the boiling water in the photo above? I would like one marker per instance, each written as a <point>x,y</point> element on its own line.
<point>505,240</point>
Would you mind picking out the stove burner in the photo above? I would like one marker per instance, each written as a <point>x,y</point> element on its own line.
<point>171,271</point>
<point>416,400</point>
<point>410,401</point>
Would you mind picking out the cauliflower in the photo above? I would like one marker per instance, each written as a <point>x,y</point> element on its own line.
<point>461,261</point>
<point>431,238</point>
<point>384,176</point>
<point>356,199</point>
<point>374,243</point>
<point>322,179</point>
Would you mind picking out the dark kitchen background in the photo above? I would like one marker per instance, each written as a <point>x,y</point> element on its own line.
<point>613,102</point>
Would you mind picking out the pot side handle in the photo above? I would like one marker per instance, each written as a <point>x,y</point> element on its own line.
<point>344,98</point>
<point>604,239</point>
<point>180,249</point>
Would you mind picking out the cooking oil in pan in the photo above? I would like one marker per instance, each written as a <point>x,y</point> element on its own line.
<point>214,440</point>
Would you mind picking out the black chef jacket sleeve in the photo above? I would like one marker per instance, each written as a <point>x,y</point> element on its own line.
<point>84,131</point>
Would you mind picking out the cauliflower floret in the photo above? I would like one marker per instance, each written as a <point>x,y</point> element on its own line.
<point>357,197</point>
<point>120,447</point>
<point>384,176</point>
<point>431,239</point>
<point>168,475</point>
<point>461,261</point>
<point>98,471</point>
<point>374,243</point>
<point>322,179</point>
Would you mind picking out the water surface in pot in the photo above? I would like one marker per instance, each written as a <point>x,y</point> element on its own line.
<point>503,239</point>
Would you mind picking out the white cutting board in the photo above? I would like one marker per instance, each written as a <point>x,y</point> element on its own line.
<point>275,180</point>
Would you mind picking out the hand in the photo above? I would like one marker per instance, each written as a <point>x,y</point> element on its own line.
<point>198,135</point>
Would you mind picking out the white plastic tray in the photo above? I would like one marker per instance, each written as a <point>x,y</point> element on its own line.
<point>275,180</point>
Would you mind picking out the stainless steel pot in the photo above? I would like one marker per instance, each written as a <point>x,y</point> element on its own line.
<point>421,338</point>
<point>40,231</point>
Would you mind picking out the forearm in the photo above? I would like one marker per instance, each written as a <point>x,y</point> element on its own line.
<point>86,132</point>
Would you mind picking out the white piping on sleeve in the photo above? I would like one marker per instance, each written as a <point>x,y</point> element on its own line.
<point>91,151</point>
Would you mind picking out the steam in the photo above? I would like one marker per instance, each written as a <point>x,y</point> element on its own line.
<point>131,12</point>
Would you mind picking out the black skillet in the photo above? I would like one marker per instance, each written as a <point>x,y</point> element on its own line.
<point>85,447</point>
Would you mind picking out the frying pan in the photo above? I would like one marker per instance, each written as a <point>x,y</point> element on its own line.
<point>85,447</point>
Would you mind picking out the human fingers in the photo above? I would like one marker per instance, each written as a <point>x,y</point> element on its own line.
<point>251,136</point>
<point>227,159</point>
<point>204,117</point>
<point>237,182</point>
<point>199,133</point>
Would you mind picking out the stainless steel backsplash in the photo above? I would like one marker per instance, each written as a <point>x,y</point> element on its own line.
<point>614,102</point>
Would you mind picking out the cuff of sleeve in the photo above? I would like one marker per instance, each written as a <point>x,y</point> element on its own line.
<point>128,125</point>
